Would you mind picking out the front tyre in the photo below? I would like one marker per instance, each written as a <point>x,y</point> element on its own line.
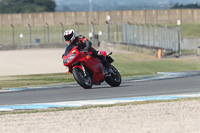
<point>114,79</point>
<point>81,79</point>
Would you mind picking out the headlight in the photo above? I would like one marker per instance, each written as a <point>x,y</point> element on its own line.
<point>71,56</point>
<point>65,61</point>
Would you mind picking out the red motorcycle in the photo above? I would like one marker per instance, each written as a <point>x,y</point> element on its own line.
<point>88,70</point>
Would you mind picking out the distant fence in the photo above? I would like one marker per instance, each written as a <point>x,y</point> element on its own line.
<point>71,18</point>
<point>35,35</point>
<point>190,43</point>
<point>156,36</point>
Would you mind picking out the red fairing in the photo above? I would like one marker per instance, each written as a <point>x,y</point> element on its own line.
<point>104,53</point>
<point>96,67</point>
<point>86,59</point>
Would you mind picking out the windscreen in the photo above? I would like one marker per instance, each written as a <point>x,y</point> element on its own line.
<point>68,49</point>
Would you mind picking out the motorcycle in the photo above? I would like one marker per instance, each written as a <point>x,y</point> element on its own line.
<point>88,70</point>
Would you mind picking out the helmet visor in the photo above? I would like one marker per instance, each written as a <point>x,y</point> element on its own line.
<point>68,37</point>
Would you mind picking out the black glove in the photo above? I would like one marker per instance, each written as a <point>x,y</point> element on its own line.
<point>79,45</point>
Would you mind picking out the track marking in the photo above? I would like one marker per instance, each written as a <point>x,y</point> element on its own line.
<point>160,75</point>
<point>93,102</point>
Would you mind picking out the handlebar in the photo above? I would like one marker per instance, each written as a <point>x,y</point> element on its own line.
<point>110,53</point>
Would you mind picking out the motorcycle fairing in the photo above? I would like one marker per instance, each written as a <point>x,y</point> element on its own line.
<point>95,66</point>
<point>87,60</point>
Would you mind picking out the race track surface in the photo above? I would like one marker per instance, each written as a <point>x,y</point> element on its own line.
<point>165,84</point>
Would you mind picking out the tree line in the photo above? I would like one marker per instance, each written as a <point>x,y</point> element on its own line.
<point>187,6</point>
<point>27,6</point>
<point>36,6</point>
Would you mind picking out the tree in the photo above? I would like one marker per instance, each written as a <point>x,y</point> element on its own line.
<point>27,6</point>
<point>188,6</point>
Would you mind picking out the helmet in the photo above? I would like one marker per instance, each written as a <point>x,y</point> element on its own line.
<point>69,35</point>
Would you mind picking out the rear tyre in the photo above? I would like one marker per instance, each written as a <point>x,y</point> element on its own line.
<point>114,79</point>
<point>81,79</point>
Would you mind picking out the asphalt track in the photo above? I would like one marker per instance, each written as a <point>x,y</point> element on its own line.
<point>152,85</point>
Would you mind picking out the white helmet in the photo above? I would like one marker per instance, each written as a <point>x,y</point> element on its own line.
<point>69,35</point>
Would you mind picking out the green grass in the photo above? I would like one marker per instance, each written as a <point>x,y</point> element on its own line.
<point>189,30</point>
<point>126,64</point>
<point>185,51</point>
<point>34,80</point>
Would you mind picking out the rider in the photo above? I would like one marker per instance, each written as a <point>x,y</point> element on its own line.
<point>84,44</point>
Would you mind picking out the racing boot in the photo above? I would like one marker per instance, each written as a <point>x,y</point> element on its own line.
<point>106,64</point>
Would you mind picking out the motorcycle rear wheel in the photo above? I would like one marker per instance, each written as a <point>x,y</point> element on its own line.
<point>114,79</point>
<point>81,79</point>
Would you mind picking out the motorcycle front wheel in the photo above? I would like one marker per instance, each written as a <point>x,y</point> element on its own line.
<point>81,79</point>
<point>114,79</point>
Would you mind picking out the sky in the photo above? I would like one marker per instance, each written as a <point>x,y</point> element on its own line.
<point>74,5</point>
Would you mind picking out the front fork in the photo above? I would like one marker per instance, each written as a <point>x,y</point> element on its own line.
<point>80,65</point>
<point>83,70</point>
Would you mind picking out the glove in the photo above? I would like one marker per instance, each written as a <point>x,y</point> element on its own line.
<point>99,53</point>
<point>79,45</point>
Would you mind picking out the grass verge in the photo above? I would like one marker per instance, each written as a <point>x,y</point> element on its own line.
<point>34,80</point>
<point>128,65</point>
<point>188,51</point>
<point>189,30</point>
